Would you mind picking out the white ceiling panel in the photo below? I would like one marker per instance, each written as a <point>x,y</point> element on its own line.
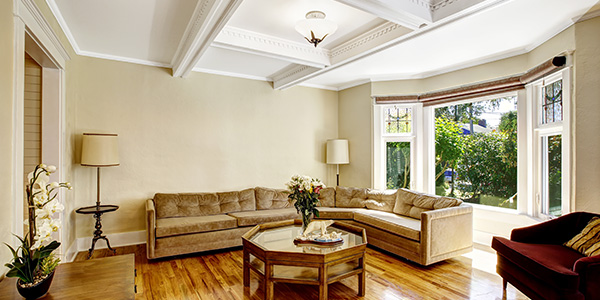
<point>141,30</point>
<point>509,29</point>
<point>239,64</point>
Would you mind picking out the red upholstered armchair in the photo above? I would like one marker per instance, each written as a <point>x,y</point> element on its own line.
<point>535,261</point>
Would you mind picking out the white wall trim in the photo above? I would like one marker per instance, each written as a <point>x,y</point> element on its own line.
<point>71,252</point>
<point>231,74</point>
<point>116,240</point>
<point>41,31</point>
<point>124,59</point>
<point>18,127</point>
<point>63,25</point>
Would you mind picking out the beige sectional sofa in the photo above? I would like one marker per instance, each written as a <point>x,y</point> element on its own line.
<point>422,228</point>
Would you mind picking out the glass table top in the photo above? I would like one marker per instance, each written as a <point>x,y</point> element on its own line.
<point>282,239</point>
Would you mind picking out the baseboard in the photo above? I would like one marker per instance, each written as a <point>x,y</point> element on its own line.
<point>483,238</point>
<point>116,240</point>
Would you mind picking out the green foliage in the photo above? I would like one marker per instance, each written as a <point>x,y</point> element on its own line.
<point>483,169</point>
<point>398,165</point>
<point>485,163</point>
<point>26,263</point>
<point>49,264</point>
<point>449,145</point>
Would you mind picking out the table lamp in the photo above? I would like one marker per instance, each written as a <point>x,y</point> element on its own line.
<point>337,153</point>
<point>99,150</point>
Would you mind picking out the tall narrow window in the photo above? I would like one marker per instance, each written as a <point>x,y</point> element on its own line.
<point>397,165</point>
<point>394,147</point>
<point>476,152</point>
<point>552,175</point>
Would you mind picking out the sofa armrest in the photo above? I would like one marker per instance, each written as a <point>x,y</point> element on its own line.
<point>446,232</point>
<point>588,269</point>
<point>150,228</point>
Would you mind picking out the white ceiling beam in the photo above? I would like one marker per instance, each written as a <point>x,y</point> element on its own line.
<point>412,14</point>
<point>361,46</point>
<point>209,17</point>
<point>292,76</point>
<point>265,45</point>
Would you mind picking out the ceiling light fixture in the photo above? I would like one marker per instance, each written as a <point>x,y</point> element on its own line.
<point>315,28</point>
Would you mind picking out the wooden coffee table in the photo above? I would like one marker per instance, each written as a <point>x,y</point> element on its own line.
<point>270,252</point>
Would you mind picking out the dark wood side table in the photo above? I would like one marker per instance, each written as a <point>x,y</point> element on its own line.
<point>97,211</point>
<point>100,278</point>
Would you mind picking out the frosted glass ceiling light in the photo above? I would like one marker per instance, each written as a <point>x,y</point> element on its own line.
<point>315,28</point>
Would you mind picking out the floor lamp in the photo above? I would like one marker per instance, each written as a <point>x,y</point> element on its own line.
<point>337,153</point>
<point>99,150</point>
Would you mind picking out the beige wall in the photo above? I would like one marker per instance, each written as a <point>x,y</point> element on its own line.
<point>355,125</point>
<point>6,129</point>
<point>587,115</point>
<point>202,133</point>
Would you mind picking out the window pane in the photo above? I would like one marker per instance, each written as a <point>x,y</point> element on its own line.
<point>552,102</point>
<point>476,152</point>
<point>553,177</point>
<point>397,165</point>
<point>397,119</point>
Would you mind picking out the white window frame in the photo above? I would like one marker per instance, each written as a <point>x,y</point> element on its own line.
<point>380,138</point>
<point>539,131</point>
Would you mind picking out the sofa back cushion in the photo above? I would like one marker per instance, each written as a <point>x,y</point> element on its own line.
<point>271,198</point>
<point>365,198</point>
<point>327,197</point>
<point>412,204</point>
<point>203,204</point>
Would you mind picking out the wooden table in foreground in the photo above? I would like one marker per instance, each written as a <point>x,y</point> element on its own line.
<point>270,252</point>
<point>101,278</point>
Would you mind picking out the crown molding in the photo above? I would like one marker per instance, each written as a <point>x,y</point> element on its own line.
<point>231,74</point>
<point>273,47</point>
<point>291,76</point>
<point>124,59</point>
<point>40,31</point>
<point>209,17</point>
<point>63,25</point>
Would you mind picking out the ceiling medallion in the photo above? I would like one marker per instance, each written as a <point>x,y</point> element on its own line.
<point>315,28</point>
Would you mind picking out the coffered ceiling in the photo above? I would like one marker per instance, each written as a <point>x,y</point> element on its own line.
<point>256,39</point>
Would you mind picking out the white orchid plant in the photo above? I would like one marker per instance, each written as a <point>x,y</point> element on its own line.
<point>304,193</point>
<point>33,260</point>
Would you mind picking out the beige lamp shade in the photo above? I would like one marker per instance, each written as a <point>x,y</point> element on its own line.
<point>337,152</point>
<point>100,150</point>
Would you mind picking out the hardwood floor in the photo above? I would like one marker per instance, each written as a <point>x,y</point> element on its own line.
<point>218,275</point>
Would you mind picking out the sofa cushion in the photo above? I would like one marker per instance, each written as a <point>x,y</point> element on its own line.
<point>251,218</point>
<point>327,197</point>
<point>407,227</point>
<point>237,201</point>
<point>552,264</point>
<point>337,213</point>
<point>412,204</point>
<point>186,205</point>
<point>271,198</point>
<point>350,197</point>
<point>186,225</point>
<point>381,200</point>
<point>587,242</point>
